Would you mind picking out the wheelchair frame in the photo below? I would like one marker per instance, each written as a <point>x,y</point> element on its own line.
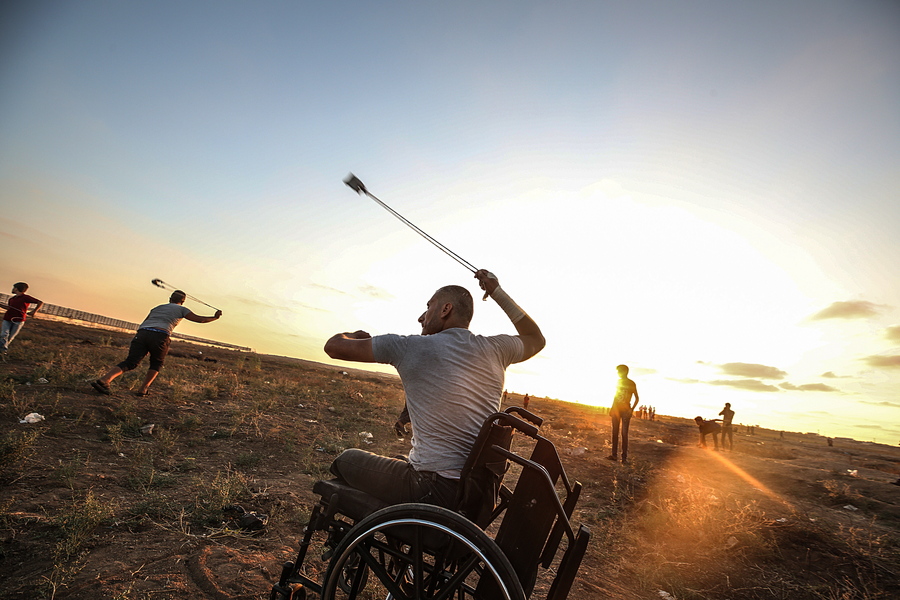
<point>420,551</point>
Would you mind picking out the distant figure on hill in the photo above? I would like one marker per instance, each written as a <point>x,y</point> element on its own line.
<point>727,435</point>
<point>453,381</point>
<point>16,314</point>
<point>708,427</point>
<point>525,401</point>
<point>621,410</point>
<point>152,338</point>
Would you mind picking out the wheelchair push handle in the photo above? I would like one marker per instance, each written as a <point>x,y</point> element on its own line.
<point>525,414</point>
<point>517,424</point>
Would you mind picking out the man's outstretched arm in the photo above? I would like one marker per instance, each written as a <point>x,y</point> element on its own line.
<point>356,346</point>
<point>528,330</point>
<point>200,319</point>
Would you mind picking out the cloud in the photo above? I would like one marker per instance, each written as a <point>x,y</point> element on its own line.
<point>255,303</point>
<point>809,387</point>
<point>751,370</point>
<point>889,362</point>
<point>644,371</point>
<point>882,403</point>
<point>831,375</point>
<point>753,385</point>
<point>685,380</point>
<point>893,333</point>
<point>854,309</point>
<point>327,288</point>
<point>376,292</point>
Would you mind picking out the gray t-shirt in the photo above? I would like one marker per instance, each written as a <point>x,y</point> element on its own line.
<point>165,316</point>
<point>453,381</point>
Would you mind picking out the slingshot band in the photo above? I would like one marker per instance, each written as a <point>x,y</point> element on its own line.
<point>508,305</point>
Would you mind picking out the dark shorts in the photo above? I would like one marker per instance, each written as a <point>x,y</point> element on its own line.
<point>146,341</point>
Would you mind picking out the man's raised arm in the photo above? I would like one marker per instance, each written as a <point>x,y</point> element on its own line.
<point>356,346</point>
<point>529,332</point>
<point>200,319</point>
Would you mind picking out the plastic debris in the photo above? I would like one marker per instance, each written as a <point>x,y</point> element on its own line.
<point>781,520</point>
<point>853,472</point>
<point>42,380</point>
<point>576,451</point>
<point>366,436</point>
<point>665,595</point>
<point>850,507</point>
<point>148,429</point>
<point>32,418</point>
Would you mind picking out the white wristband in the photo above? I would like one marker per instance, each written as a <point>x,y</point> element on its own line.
<point>509,306</point>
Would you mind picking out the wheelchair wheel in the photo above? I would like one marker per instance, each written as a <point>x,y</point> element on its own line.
<point>419,552</point>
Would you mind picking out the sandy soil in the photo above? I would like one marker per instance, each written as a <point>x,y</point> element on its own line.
<point>798,489</point>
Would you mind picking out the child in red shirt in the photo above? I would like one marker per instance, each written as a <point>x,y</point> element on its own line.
<point>16,314</point>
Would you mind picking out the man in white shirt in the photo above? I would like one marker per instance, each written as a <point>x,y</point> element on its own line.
<point>152,338</point>
<point>453,381</point>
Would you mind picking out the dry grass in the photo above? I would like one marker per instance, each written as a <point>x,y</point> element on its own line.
<point>88,488</point>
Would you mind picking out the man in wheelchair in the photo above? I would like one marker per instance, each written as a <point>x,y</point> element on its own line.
<point>453,381</point>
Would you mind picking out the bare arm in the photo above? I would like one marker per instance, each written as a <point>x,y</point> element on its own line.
<point>198,319</point>
<point>528,330</point>
<point>36,308</point>
<point>636,398</point>
<point>356,346</point>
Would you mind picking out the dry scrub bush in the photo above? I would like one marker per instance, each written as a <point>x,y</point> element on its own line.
<point>680,535</point>
<point>212,496</point>
<point>74,528</point>
<point>15,450</point>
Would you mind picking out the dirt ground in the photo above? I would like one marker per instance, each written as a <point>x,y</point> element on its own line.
<point>94,506</point>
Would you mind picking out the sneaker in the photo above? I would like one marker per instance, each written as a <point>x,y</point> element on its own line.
<point>101,387</point>
<point>612,457</point>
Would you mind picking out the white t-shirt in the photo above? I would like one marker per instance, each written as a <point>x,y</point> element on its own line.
<point>165,316</point>
<point>453,381</point>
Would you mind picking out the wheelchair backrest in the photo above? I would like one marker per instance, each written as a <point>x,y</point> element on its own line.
<point>482,475</point>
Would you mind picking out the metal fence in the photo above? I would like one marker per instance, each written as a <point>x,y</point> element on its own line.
<point>80,315</point>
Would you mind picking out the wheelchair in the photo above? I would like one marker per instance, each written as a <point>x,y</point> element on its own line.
<point>424,552</point>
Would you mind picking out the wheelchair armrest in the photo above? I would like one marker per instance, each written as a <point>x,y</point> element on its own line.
<point>350,502</point>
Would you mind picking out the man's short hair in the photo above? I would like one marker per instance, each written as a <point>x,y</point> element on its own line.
<point>21,286</point>
<point>461,299</point>
<point>178,297</point>
<point>622,369</point>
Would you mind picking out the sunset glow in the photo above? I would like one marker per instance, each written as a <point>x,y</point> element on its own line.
<point>705,192</point>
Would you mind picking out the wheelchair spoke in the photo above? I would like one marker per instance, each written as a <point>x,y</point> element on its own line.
<point>420,552</point>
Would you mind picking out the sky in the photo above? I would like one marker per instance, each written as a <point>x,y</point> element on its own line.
<point>704,191</point>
